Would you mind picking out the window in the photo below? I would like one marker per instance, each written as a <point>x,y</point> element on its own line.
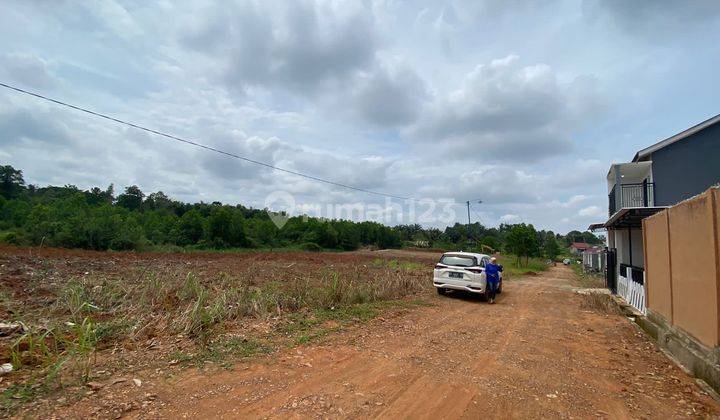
<point>458,260</point>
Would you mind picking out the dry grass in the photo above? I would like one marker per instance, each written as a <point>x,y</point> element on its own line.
<point>110,310</point>
<point>601,303</point>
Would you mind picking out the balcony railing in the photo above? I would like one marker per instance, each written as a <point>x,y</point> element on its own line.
<point>631,195</point>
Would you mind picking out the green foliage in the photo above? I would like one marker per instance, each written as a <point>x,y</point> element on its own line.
<point>226,228</point>
<point>513,266</point>
<point>551,248</point>
<point>190,228</point>
<point>577,236</point>
<point>523,242</point>
<point>310,246</point>
<point>131,199</point>
<point>69,217</point>
<point>11,182</point>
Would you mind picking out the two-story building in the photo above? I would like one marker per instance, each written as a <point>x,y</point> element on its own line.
<point>659,176</point>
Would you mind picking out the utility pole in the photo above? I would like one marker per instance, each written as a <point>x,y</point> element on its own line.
<point>468,211</point>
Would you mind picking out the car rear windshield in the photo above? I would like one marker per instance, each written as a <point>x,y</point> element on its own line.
<point>457,260</point>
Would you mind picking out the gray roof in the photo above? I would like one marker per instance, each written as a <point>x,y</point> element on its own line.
<point>644,153</point>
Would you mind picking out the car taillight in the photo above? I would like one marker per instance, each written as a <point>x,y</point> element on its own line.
<point>475,270</point>
<point>438,266</point>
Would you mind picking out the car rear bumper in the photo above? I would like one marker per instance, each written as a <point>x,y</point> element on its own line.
<point>468,287</point>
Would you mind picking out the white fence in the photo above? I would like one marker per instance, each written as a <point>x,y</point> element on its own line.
<point>594,261</point>
<point>633,292</point>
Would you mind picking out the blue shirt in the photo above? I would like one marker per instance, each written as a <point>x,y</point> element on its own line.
<point>492,272</point>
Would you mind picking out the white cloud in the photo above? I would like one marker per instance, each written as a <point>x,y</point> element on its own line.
<point>591,211</point>
<point>510,218</point>
<point>504,110</point>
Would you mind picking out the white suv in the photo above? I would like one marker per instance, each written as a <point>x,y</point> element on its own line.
<point>462,271</point>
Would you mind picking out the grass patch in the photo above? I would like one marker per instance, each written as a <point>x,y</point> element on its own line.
<point>587,280</point>
<point>221,350</point>
<point>512,267</point>
<point>305,327</point>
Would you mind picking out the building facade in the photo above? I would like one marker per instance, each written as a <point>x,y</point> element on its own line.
<point>659,176</point>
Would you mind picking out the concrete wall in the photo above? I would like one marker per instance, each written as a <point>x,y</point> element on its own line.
<point>687,167</point>
<point>658,296</point>
<point>683,277</point>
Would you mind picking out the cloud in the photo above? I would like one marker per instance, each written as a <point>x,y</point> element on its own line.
<point>22,127</point>
<point>504,111</point>
<point>28,69</point>
<point>510,218</point>
<point>390,95</point>
<point>644,17</point>
<point>592,211</point>
<point>300,46</point>
<point>238,143</point>
<point>368,172</point>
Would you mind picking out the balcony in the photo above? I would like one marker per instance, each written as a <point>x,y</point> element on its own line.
<point>631,195</point>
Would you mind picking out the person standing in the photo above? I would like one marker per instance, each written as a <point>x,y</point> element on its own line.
<point>492,278</point>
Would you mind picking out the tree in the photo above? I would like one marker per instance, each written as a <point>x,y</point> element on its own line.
<point>225,228</point>
<point>552,249</point>
<point>11,182</point>
<point>190,228</point>
<point>157,201</point>
<point>130,235</point>
<point>96,196</point>
<point>131,199</point>
<point>522,241</point>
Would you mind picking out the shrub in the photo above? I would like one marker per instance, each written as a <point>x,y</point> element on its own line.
<point>310,246</point>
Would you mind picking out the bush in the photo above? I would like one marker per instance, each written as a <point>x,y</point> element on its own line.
<point>14,237</point>
<point>310,246</point>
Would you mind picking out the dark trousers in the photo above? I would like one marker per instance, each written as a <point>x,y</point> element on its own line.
<point>492,287</point>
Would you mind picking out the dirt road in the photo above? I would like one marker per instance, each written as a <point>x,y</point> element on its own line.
<point>536,353</point>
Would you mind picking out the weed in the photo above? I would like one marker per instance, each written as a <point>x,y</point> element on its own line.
<point>600,302</point>
<point>81,344</point>
<point>34,348</point>
<point>587,280</point>
<point>77,301</point>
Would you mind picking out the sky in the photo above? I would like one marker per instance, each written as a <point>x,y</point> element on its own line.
<point>523,105</point>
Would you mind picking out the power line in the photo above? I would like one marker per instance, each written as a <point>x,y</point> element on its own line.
<point>170,136</point>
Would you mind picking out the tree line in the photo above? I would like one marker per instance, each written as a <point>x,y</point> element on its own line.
<point>99,219</point>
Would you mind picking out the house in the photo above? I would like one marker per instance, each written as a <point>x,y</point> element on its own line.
<point>659,176</point>
<point>576,248</point>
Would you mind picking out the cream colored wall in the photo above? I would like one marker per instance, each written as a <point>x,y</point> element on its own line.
<point>658,287</point>
<point>682,253</point>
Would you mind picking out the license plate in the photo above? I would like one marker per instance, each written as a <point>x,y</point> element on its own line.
<point>456,275</point>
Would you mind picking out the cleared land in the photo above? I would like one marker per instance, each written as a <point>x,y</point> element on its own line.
<point>541,351</point>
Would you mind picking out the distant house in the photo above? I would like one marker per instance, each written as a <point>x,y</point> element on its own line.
<point>659,176</point>
<point>577,248</point>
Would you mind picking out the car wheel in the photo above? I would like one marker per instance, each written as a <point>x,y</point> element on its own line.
<point>441,291</point>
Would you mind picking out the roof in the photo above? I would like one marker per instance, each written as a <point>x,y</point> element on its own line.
<point>644,153</point>
<point>631,217</point>
<point>596,226</point>
<point>580,245</point>
<point>593,250</point>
